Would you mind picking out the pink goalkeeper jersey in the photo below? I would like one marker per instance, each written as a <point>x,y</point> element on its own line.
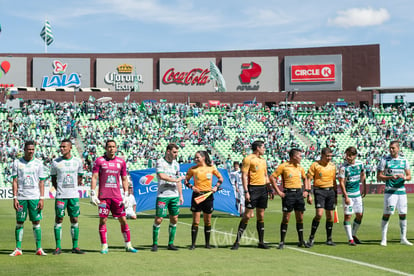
<point>110,172</point>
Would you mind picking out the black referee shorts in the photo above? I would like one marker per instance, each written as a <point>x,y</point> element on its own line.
<point>206,206</point>
<point>293,200</point>
<point>324,198</point>
<point>258,197</point>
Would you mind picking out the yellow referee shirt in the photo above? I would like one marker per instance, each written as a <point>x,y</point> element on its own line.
<point>323,176</point>
<point>256,169</point>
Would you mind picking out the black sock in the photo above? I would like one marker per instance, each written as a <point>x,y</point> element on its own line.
<point>207,231</point>
<point>299,229</point>
<point>315,225</point>
<point>283,230</point>
<point>329,226</point>
<point>260,230</point>
<point>194,231</point>
<point>240,231</point>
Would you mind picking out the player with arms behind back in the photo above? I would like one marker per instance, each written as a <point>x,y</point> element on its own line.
<point>351,175</point>
<point>110,169</point>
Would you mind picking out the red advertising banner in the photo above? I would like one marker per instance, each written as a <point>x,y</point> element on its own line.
<point>313,73</point>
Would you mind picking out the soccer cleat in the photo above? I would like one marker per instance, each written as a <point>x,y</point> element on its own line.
<point>40,252</point>
<point>352,243</point>
<point>77,250</point>
<point>235,246</point>
<point>281,245</point>
<point>330,243</point>
<point>263,246</point>
<point>406,242</point>
<point>356,240</point>
<point>154,248</point>
<point>131,249</point>
<point>172,247</point>
<point>57,251</point>
<point>303,244</point>
<point>192,247</point>
<point>310,243</point>
<point>16,252</point>
<point>207,246</point>
<point>383,243</point>
<point>104,249</point>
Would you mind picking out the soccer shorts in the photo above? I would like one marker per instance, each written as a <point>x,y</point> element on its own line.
<point>395,201</point>
<point>167,203</point>
<point>114,205</point>
<point>356,206</point>
<point>206,206</point>
<point>258,197</point>
<point>324,198</point>
<point>293,200</point>
<point>28,206</point>
<point>71,204</point>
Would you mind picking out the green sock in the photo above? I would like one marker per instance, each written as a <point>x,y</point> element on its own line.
<point>74,230</point>
<point>172,229</point>
<point>19,235</point>
<point>37,231</point>
<point>58,234</point>
<point>155,231</point>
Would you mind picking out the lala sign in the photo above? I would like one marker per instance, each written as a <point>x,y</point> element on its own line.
<point>196,76</point>
<point>123,76</point>
<point>59,78</point>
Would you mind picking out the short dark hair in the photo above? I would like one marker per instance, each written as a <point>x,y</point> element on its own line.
<point>172,146</point>
<point>395,142</point>
<point>66,140</point>
<point>29,143</point>
<point>293,151</point>
<point>326,151</point>
<point>351,151</point>
<point>257,144</point>
<point>109,141</point>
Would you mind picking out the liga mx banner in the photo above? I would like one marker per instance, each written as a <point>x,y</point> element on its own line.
<point>146,186</point>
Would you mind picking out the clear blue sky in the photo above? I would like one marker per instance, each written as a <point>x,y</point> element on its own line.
<point>116,26</point>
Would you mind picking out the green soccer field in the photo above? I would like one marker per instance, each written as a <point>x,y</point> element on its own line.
<point>366,259</point>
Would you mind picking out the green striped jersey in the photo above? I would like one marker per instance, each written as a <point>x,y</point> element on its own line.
<point>352,175</point>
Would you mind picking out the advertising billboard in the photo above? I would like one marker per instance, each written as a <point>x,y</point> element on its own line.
<point>313,73</point>
<point>123,75</point>
<point>186,75</point>
<point>251,74</point>
<point>61,72</point>
<point>13,72</point>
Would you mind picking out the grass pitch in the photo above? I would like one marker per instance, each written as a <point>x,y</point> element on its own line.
<point>366,259</point>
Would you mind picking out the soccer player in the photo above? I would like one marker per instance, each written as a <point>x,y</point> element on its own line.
<point>351,175</point>
<point>292,195</point>
<point>323,175</point>
<point>236,180</point>
<point>66,172</point>
<point>28,176</point>
<point>169,195</point>
<point>202,174</point>
<point>255,184</point>
<point>110,169</point>
<point>394,170</point>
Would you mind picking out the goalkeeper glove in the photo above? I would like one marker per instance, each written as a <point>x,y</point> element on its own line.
<point>125,201</point>
<point>94,199</point>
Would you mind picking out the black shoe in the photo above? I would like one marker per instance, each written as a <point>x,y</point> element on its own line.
<point>76,251</point>
<point>303,244</point>
<point>263,246</point>
<point>154,248</point>
<point>235,246</point>
<point>57,251</point>
<point>207,246</point>
<point>330,243</point>
<point>172,247</point>
<point>281,245</point>
<point>356,240</point>
<point>310,243</point>
<point>192,247</point>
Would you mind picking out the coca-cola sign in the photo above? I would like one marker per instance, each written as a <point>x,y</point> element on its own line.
<point>196,76</point>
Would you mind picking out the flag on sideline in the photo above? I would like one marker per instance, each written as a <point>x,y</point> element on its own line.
<point>202,197</point>
<point>47,33</point>
<point>336,218</point>
<point>216,75</point>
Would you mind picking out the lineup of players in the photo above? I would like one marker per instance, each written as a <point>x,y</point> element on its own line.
<point>253,186</point>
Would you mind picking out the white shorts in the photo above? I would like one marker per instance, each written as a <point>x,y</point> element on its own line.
<point>395,201</point>
<point>130,213</point>
<point>356,206</point>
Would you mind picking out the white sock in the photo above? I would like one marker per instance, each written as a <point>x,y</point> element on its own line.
<point>384,229</point>
<point>403,227</point>
<point>348,231</point>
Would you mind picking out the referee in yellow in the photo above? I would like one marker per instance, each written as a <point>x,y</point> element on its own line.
<point>323,175</point>
<point>293,175</point>
<point>256,188</point>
